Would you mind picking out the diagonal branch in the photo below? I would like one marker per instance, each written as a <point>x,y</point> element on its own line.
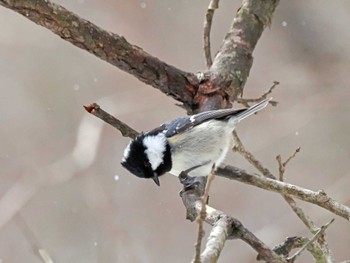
<point>110,47</point>
<point>319,198</point>
<point>124,129</point>
<point>223,82</point>
<point>224,227</point>
<point>313,239</point>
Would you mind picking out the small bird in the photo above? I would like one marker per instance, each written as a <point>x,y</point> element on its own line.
<point>191,143</point>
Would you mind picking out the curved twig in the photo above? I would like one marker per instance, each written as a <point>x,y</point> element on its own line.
<point>213,5</point>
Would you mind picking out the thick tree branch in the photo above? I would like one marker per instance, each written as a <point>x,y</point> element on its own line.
<point>234,59</point>
<point>110,47</point>
<point>224,226</point>
<point>222,83</point>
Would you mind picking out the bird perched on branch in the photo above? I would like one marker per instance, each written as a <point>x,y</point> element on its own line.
<point>191,143</point>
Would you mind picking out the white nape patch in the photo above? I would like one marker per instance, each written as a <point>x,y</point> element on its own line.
<point>126,152</point>
<point>155,148</point>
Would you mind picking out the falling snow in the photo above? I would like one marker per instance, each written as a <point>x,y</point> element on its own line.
<point>76,87</point>
<point>116,177</point>
<point>143,5</point>
<point>284,23</point>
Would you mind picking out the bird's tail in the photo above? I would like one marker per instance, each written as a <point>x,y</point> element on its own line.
<point>251,110</point>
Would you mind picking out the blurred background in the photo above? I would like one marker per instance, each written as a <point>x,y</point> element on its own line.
<point>62,186</point>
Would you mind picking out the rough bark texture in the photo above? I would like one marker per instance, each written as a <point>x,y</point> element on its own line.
<point>223,82</point>
<point>110,47</point>
<point>319,198</point>
<point>234,59</point>
<point>215,89</point>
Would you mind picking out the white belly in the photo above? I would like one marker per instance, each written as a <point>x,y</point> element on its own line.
<point>206,148</point>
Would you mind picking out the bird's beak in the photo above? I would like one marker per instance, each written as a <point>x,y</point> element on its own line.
<point>156,179</point>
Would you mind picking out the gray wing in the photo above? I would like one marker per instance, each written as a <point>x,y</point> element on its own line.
<point>185,123</point>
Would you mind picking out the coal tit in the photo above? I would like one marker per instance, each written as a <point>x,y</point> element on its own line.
<point>193,141</point>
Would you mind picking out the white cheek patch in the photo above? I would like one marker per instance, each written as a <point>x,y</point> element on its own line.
<point>155,148</point>
<point>126,152</point>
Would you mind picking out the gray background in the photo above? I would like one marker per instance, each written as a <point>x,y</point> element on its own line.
<point>60,168</point>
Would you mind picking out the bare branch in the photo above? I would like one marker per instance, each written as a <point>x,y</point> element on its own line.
<point>213,5</point>
<point>224,226</point>
<point>110,47</point>
<point>296,242</point>
<point>239,147</point>
<point>291,202</point>
<point>201,218</point>
<point>125,129</point>
<point>215,243</point>
<point>313,239</point>
<point>319,198</point>
<point>234,59</point>
<point>282,165</point>
<point>246,102</point>
<point>288,245</point>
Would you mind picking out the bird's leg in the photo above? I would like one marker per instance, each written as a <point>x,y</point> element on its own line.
<point>187,181</point>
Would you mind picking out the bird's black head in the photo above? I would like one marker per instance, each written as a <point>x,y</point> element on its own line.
<point>148,156</point>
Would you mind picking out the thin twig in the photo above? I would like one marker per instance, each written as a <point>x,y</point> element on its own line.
<point>315,237</point>
<point>214,4</point>
<point>288,245</point>
<point>282,165</point>
<point>125,129</point>
<point>246,102</point>
<point>296,242</point>
<point>239,147</point>
<point>291,202</point>
<point>201,217</point>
